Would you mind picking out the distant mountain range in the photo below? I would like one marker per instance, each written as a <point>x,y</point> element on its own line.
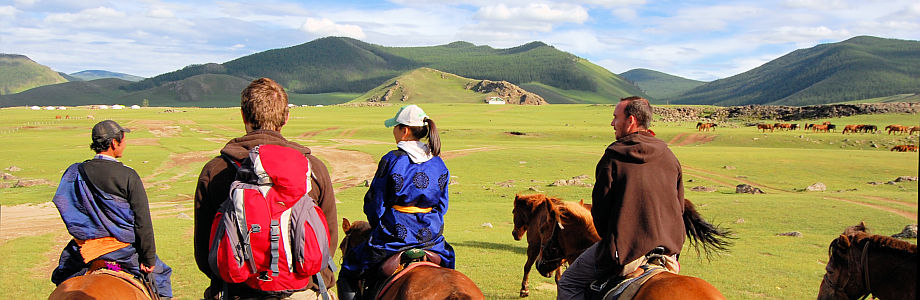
<point>99,74</point>
<point>859,68</point>
<point>346,69</point>
<point>19,73</point>
<point>336,64</point>
<point>662,87</point>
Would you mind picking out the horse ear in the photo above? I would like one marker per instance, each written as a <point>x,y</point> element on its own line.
<point>345,224</point>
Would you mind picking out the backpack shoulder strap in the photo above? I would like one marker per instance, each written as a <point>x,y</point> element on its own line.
<point>230,161</point>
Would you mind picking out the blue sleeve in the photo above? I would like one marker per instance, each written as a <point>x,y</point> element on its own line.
<point>442,204</point>
<point>376,195</point>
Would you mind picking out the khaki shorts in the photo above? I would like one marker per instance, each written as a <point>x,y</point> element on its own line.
<point>671,264</point>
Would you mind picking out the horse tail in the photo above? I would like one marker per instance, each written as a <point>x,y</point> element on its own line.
<point>702,234</point>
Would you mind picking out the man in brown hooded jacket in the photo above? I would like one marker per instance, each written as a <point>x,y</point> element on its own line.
<point>637,202</point>
<point>264,107</point>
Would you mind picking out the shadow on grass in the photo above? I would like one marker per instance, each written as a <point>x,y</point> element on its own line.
<point>493,246</point>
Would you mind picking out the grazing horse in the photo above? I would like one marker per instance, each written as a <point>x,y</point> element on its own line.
<point>860,264</point>
<point>667,285</point>
<point>783,126</point>
<point>821,127</point>
<point>100,285</point>
<point>551,224</point>
<point>869,128</point>
<point>854,128</point>
<point>914,128</point>
<point>764,127</point>
<point>700,126</point>
<point>896,128</point>
<point>904,148</point>
<point>794,126</point>
<point>425,281</point>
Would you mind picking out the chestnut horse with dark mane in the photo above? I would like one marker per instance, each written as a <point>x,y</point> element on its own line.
<point>860,264</point>
<point>551,224</point>
<point>102,285</point>
<point>665,285</point>
<point>423,282</point>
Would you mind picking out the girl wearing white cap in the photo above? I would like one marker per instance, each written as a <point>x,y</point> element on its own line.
<point>406,202</point>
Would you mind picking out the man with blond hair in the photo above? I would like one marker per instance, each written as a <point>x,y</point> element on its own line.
<point>264,110</point>
<point>637,204</point>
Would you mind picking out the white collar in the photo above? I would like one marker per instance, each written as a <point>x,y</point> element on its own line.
<point>418,151</point>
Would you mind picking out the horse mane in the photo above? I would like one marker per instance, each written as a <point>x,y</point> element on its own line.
<point>884,242</point>
<point>534,200</point>
<point>574,214</point>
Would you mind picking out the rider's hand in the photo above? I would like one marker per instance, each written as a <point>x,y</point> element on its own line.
<point>146,269</point>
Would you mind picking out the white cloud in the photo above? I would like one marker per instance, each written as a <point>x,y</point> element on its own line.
<point>237,46</point>
<point>25,2</point>
<point>326,27</point>
<point>625,13</point>
<point>613,3</point>
<point>161,13</point>
<point>87,15</point>
<point>8,11</point>
<point>799,34</point>
<point>822,5</point>
<point>541,12</point>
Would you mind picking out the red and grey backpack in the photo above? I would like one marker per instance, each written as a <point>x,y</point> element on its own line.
<point>269,234</point>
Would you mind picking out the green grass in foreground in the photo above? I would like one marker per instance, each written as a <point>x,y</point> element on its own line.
<point>559,142</point>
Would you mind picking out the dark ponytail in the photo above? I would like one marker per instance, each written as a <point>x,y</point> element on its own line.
<point>434,140</point>
<point>431,131</point>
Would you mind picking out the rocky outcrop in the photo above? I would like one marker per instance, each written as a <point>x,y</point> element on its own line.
<point>784,113</point>
<point>512,94</point>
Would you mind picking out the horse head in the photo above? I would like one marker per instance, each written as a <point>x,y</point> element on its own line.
<point>842,279</point>
<point>355,233</point>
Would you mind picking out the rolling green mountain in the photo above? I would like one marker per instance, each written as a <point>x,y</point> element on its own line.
<point>19,73</point>
<point>99,91</point>
<point>426,85</point>
<point>99,74</point>
<point>662,87</point>
<point>859,68</point>
<point>336,64</point>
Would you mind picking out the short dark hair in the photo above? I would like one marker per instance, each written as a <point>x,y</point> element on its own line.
<point>102,144</point>
<point>264,104</point>
<point>640,108</point>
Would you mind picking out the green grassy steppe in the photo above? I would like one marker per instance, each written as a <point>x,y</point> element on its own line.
<point>559,142</point>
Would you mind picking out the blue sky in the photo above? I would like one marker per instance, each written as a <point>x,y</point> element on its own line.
<point>703,40</point>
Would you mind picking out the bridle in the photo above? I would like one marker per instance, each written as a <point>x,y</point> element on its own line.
<point>851,261</point>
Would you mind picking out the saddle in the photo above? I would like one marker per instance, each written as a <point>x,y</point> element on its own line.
<point>626,287</point>
<point>395,267</point>
<point>113,269</point>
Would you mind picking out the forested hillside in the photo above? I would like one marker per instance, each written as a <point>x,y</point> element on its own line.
<point>335,64</point>
<point>662,87</point>
<point>19,73</point>
<point>859,68</point>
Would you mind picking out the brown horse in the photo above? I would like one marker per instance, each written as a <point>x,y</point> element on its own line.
<point>904,148</point>
<point>551,223</point>
<point>103,285</point>
<point>425,282</point>
<point>860,264</point>
<point>700,126</point>
<point>666,285</point>
<point>764,127</point>
<point>854,128</point>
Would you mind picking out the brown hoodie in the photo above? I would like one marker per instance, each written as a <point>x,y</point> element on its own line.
<point>214,188</point>
<point>638,198</point>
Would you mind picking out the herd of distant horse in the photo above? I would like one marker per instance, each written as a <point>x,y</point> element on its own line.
<point>828,127</point>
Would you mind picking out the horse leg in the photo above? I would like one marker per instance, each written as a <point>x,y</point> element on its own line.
<point>532,252</point>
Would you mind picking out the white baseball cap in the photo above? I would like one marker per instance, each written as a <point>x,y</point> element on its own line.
<point>409,115</point>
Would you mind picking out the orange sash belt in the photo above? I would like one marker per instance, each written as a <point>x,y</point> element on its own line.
<point>411,209</point>
<point>94,248</point>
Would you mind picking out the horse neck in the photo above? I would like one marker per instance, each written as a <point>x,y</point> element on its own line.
<point>891,274</point>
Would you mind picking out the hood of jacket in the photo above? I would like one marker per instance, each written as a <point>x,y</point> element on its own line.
<point>238,148</point>
<point>638,147</point>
